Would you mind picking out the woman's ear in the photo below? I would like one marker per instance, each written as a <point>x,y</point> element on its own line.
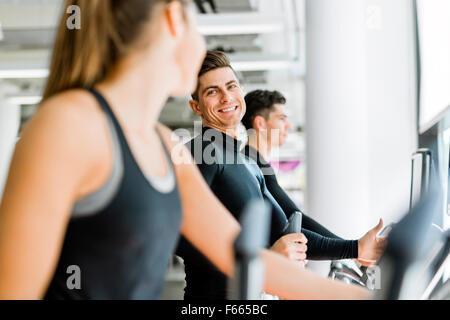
<point>175,20</point>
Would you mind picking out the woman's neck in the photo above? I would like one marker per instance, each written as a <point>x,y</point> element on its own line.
<point>137,90</point>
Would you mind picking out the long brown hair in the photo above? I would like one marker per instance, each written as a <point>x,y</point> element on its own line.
<point>109,29</point>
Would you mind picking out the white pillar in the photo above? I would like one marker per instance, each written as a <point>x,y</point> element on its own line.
<point>9,126</point>
<point>360,111</point>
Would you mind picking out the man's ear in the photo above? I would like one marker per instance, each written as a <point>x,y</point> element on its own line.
<point>259,123</point>
<point>195,106</point>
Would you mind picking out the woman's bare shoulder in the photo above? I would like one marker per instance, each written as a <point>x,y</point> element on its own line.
<point>78,106</point>
<point>70,126</point>
<point>73,115</point>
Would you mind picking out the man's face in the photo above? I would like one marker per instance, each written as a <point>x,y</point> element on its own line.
<point>277,126</point>
<point>221,102</point>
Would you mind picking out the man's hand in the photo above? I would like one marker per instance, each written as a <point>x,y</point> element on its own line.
<point>292,246</point>
<point>371,247</point>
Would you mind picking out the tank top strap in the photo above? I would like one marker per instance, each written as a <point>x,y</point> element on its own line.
<point>163,185</point>
<point>166,150</point>
<point>107,109</point>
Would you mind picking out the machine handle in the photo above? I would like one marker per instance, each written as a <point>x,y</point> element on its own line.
<point>294,224</point>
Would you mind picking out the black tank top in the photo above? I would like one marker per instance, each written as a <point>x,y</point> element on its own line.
<point>123,250</point>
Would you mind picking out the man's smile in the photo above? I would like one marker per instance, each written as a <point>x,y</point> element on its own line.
<point>228,109</point>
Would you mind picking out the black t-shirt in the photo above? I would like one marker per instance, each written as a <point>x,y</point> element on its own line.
<point>235,179</point>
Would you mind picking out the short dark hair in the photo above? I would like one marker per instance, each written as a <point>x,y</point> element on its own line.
<point>260,103</point>
<point>213,60</point>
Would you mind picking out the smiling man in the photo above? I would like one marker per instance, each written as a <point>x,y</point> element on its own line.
<point>219,98</point>
<point>236,179</point>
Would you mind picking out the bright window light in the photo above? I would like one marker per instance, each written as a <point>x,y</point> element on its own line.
<point>434,35</point>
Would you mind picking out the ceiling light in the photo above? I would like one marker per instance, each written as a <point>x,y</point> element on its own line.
<point>24,74</point>
<point>24,100</point>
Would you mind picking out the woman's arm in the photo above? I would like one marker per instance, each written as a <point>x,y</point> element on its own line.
<point>52,163</point>
<point>212,229</point>
<point>287,281</point>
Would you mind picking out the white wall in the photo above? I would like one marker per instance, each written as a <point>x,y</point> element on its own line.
<point>360,111</point>
<point>9,126</point>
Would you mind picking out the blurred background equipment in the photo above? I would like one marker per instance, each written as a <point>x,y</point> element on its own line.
<point>201,5</point>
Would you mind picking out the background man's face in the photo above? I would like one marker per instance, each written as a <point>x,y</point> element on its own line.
<point>221,99</point>
<point>277,126</point>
